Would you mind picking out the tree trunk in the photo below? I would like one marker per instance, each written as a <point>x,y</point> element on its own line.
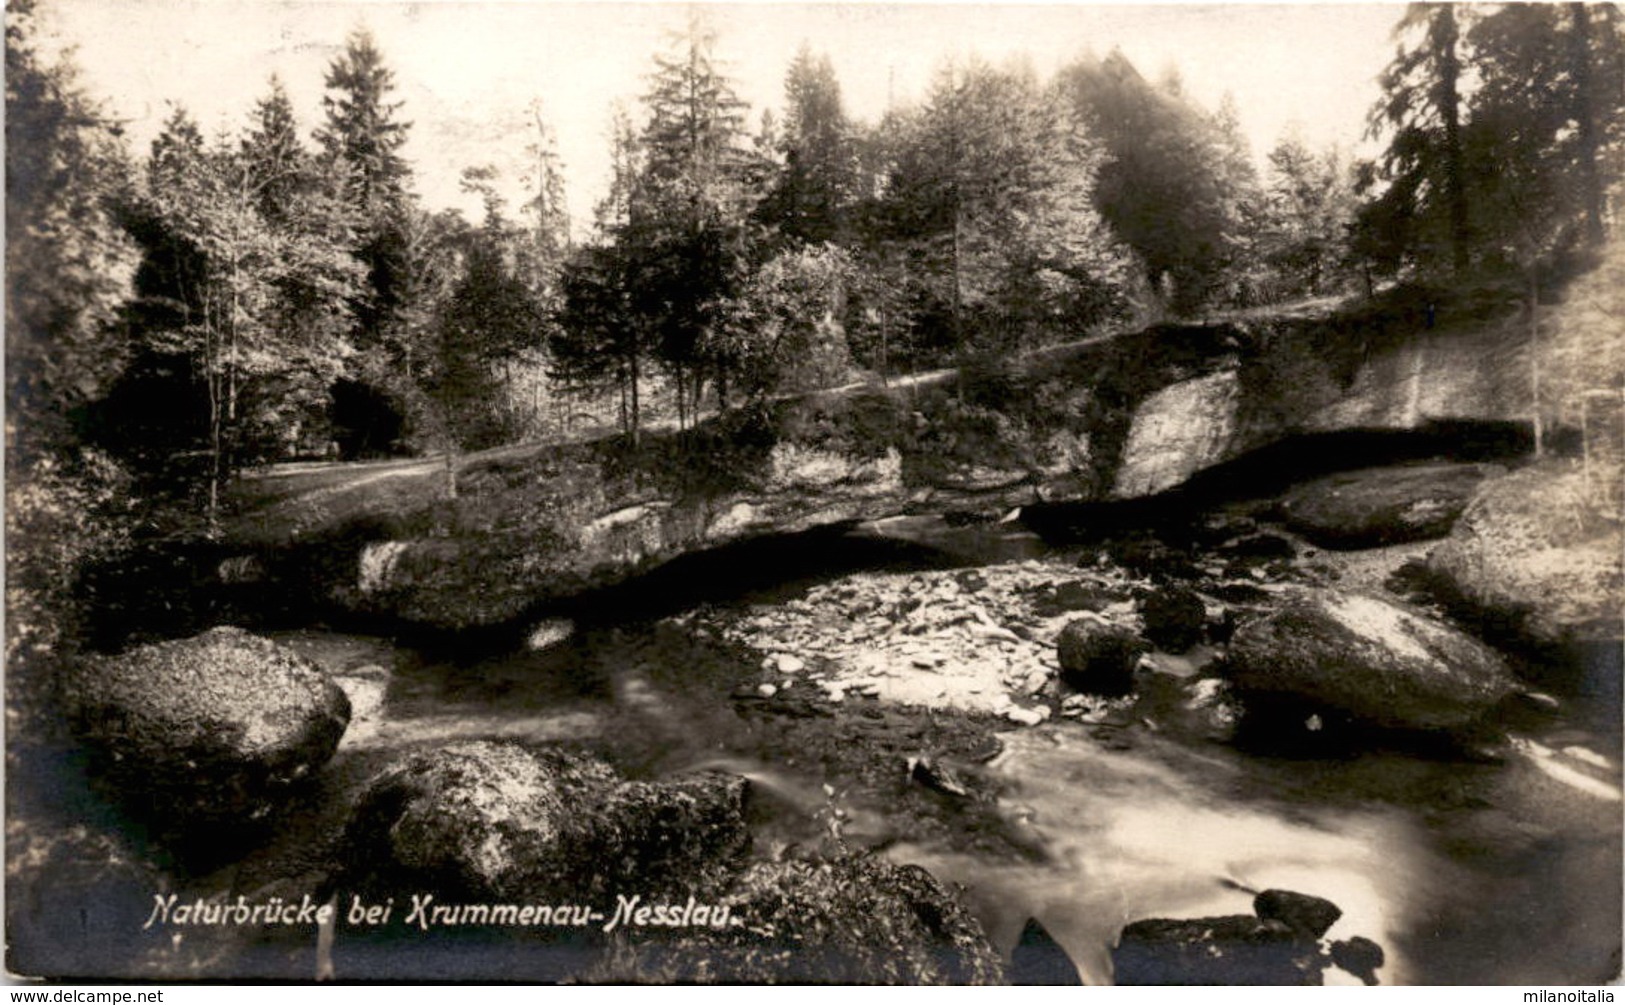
<point>1591,187</point>
<point>633,359</point>
<point>211,381</point>
<point>1450,111</point>
<point>677,382</point>
<point>1534,362</point>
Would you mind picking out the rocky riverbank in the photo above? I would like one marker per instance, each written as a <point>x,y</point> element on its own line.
<point>772,756</point>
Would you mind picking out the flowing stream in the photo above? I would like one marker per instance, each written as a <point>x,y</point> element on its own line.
<point>1499,868</point>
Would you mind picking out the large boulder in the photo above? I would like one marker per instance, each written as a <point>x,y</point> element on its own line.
<point>1369,659</point>
<point>854,920</point>
<point>1535,556</point>
<point>1099,657</point>
<point>211,730</point>
<point>1381,506</point>
<point>1175,618</point>
<point>499,821</point>
<point>1231,950</point>
<point>1279,944</point>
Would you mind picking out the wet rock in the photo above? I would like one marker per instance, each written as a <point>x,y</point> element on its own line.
<point>1381,506</point>
<point>241,569</point>
<point>1373,660</point>
<point>1533,562</point>
<point>1174,618</point>
<point>1026,716</point>
<point>550,632</point>
<point>1098,657</point>
<point>1219,528</point>
<point>496,820</point>
<point>857,920</point>
<point>1076,596</point>
<point>1232,950</point>
<point>1307,915</point>
<point>1151,557</point>
<point>1240,592</point>
<point>1039,960</point>
<point>971,581</point>
<point>1359,956</point>
<point>937,777</point>
<point>1255,549</point>
<point>214,730</point>
<point>1210,709</point>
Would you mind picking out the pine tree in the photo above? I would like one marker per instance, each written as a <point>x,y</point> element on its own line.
<point>314,278</point>
<point>361,134</point>
<point>993,186</point>
<point>596,337</point>
<point>280,169</point>
<point>488,320</point>
<point>1546,125</point>
<point>1308,206</point>
<point>69,266</point>
<point>689,210</point>
<point>811,194</point>
<point>547,208</point>
<point>1421,112</point>
<point>69,274</point>
<point>361,140</point>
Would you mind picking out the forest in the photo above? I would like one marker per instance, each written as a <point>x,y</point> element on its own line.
<point>180,314</point>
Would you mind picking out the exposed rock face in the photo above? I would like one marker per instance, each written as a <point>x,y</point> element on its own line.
<point>1531,556</point>
<point>1177,432</point>
<point>1381,506</point>
<point>499,821</point>
<point>1098,657</point>
<point>1372,660</point>
<point>856,920</point>
<point>1123,417</point>
<point>211,730</point>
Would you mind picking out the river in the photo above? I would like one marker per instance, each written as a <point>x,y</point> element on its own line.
<point>1493,865</point>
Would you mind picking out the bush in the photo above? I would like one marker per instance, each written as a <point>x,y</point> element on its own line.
<point>60,518</point>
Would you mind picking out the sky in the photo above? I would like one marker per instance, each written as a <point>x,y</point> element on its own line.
<point>469,73</point>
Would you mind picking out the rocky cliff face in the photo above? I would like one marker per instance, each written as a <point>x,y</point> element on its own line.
<point>1123,417</point>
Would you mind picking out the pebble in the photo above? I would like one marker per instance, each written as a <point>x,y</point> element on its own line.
<point>1024,716</point>
<point>767,690</point>
<point>790,664</point>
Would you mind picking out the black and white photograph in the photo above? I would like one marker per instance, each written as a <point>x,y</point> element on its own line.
<point>844,493</point>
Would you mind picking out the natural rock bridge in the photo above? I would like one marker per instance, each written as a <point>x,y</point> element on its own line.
<point>1117,417</point>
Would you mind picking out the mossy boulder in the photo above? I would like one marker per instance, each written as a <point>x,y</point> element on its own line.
<point>1537,558</point>
<point>499,821</point>
<point>1279,944</point>
<point>214,730</point>
<point>1367,658</point>
<point>1382,506</point>
<point>1235,949</point>
<point>852,920</point>
<point>1175,618</point>
<point>1098,656</point>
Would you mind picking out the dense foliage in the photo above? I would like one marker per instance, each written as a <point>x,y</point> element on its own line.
<point>265,293</point>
